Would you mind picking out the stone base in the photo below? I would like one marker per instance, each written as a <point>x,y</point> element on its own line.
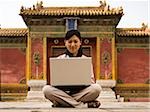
<point>35,96</point>
<point>106,83</point>
<point>35,93</point>
<point>107,94</point>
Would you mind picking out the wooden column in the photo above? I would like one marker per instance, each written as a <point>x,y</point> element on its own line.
<point>113,59</point>
<point>28,58</point>
<point>44,56</point>
<point>98,58</point>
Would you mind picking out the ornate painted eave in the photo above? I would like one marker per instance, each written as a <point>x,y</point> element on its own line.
<point>14,32</point>
<point>39,10</point>
<point>133,32</point>
<point>13,37</point>
<point>133,35</point>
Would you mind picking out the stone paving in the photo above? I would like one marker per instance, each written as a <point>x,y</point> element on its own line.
<point>46,107</point>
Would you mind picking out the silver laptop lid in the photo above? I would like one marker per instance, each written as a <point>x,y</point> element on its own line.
<point>70,71</point>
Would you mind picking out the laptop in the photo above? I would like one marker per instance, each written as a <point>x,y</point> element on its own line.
<point>70,72</point>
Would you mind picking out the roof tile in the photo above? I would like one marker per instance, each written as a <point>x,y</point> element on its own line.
<point>13,32</point>
<point>133,32</point>
<point>72,11</point>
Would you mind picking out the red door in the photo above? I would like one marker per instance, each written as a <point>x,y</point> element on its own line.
<point>55,47</point>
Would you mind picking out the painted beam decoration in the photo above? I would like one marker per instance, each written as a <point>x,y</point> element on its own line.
<point>105,58</point>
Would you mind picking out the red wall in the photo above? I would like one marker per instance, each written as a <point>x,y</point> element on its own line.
<point>133,65</point>
<point>12,65</point>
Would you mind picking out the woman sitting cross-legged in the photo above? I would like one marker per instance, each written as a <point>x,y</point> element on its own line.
<point>85,97</point>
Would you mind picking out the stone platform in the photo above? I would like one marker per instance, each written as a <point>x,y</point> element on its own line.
<point>46,107</point>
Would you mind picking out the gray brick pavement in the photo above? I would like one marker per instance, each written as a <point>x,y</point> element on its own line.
<point>46,107</point>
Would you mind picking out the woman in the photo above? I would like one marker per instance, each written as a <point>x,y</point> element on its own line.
<point>85,97</point>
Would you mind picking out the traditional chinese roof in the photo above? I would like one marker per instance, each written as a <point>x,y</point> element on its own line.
<point>13,32</point>
<point>103,9</point>
<point>133,32</point>
<point>120,32</point>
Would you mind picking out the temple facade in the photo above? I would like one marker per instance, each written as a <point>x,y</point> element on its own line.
<point>119,55</point>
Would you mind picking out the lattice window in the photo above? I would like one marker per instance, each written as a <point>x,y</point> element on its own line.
<point>71,23</point>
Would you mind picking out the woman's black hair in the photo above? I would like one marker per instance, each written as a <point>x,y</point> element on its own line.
<point>69,34</point>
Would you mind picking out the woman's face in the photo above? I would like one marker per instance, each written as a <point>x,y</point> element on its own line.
<point>73,44</point>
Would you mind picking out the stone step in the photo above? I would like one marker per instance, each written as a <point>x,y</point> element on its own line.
<point>107,100</point>
<point>35,96</point>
